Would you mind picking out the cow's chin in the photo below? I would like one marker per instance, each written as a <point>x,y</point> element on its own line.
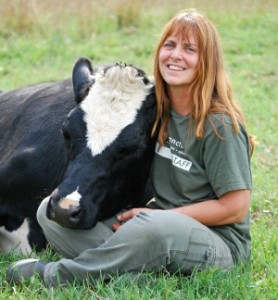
<point>73,216</point>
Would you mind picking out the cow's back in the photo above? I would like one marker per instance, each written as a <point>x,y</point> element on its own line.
<point>33,108</point>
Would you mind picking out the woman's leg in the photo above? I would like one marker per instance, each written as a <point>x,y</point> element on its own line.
<point>151,241</point>
<point>72,242</point>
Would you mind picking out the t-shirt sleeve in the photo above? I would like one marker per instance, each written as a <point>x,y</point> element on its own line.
<point>227,160</point>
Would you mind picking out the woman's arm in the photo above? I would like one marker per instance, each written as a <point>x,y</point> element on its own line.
<point>232,207</point>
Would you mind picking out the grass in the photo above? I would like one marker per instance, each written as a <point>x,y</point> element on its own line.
<point>39,42</point>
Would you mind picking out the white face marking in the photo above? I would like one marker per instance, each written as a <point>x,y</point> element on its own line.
<point>74,196</point>
<point>112,104</point>
<point>71,200</point>
<point>16,240</point>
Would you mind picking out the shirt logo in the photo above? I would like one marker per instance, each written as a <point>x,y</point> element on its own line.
<point>177,161</point>
<point>181,163</point>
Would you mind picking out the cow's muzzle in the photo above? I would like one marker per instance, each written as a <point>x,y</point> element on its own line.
<point>65,212</point>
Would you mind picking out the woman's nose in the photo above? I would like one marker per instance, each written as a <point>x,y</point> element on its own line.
<point>176,53</point>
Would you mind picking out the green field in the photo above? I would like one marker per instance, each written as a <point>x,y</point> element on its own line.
<point>40,41</point>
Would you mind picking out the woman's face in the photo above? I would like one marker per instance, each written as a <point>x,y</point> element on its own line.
<point>178,60</point>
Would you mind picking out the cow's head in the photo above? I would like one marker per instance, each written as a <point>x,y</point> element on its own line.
<point>108,137</point>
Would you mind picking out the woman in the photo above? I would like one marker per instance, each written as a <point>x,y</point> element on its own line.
<point>201,177</point>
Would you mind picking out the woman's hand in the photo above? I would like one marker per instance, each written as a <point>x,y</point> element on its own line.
<point>124,217</point>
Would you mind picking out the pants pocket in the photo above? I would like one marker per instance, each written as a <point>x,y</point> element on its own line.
<point>201,251</point>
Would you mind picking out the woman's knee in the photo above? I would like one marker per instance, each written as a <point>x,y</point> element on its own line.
<point>167,222</point>
<point>158,226</point>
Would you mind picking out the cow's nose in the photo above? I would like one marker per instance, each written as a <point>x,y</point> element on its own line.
<point>65,212</point>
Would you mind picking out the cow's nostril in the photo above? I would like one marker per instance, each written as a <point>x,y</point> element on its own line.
<point>65,212</point>
<point>75,214</point>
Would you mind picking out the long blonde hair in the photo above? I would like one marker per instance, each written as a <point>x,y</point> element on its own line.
<point>211,90</point>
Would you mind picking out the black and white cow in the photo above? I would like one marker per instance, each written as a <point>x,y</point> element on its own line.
<point>86,142</point>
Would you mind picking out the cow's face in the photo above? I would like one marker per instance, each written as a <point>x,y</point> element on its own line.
<point>108,137</point>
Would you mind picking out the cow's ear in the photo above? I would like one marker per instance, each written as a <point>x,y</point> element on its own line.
<point>82,78</point>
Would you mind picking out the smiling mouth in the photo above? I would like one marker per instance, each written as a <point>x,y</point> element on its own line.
<point>175,68</point>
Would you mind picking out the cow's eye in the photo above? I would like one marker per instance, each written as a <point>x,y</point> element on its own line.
<point>66,135</point>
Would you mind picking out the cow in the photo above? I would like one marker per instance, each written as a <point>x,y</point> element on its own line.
<point>84,143</point>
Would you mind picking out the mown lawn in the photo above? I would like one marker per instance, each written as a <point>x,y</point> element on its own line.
<point>40,41</point>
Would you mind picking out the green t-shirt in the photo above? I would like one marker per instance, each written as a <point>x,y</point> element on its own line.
<point>189,170</point>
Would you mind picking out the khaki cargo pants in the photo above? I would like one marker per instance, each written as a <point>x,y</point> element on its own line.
<point>152,241</point>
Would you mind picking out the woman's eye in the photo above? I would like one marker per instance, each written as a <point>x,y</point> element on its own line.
<point>168,45</point>
<point>190,49</point>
